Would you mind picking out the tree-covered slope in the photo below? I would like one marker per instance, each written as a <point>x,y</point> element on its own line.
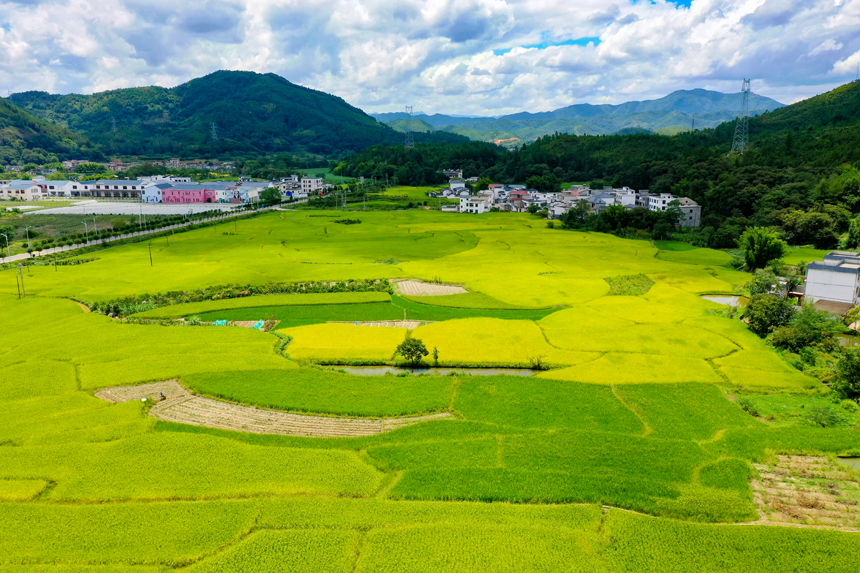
<point>252,114</point>
<point>25,138</point>
<point>800,174</point>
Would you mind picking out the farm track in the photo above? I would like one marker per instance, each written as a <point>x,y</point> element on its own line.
<point>418,288</point>
<point>181,406</point>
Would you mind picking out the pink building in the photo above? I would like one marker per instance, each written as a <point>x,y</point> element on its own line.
<point>188,194</point>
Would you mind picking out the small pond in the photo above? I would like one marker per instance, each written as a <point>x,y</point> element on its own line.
<point>847,340</point>
<point>727,300</point>
<point>850,462</point>
<point>383,370</point>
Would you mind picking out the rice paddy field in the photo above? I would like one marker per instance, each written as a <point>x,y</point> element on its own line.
<point>626,451</point>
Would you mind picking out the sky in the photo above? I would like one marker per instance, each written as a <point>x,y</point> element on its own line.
<point>459,57</point>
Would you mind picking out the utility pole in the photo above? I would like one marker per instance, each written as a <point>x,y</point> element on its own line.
<point>8,252</point>
<point>28,236</point>
<point>150,253</point>
<point>21,272</point>
<point>409,140</point>
<point>86,230</point>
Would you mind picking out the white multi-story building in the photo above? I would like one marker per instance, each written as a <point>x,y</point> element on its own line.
<point>474,204</point>
<point>312,184</point>
<point>690,210</point>
<point>835,279</point>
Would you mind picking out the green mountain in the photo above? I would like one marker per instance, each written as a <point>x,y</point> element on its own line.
<point>25,138</point>
<point>679,111</point>
<point>224,113</point>
<point>414,125</point>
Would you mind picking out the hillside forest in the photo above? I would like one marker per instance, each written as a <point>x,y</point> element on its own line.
<point>799,175</point>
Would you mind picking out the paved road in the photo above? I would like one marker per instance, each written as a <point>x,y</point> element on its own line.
<point>137,234</point>
<point>123,208</point>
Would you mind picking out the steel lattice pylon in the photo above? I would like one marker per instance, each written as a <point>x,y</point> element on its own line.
<point>741,142</point>
<point>410,141</point>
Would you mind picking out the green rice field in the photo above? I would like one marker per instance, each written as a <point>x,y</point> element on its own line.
<point>627,450</point>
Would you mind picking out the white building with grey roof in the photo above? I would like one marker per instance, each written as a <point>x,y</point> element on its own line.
<point>835,279</point>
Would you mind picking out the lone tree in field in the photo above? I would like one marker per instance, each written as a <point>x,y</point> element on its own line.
<point>413,350</point>
<point>760,247</point>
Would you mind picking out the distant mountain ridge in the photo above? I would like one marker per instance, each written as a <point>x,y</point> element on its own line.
<point>681,110</point>
<point>226,112</point>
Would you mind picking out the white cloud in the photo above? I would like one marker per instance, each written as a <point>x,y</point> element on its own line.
<point>848,65</point>
<point>828,45</point>
<point>449,56</point>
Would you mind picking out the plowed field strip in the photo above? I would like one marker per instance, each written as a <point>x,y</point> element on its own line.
<point>416,288</point>
<point>178,405</point>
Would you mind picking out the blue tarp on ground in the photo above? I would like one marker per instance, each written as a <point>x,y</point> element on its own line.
<point>259,325</point>
<point>220,323</point>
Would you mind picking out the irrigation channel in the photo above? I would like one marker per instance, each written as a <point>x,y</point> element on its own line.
<point>383,370</point>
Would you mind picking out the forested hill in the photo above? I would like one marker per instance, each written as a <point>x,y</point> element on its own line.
<point>28,139</point>
<point>253,114</point>
<point>800,161</point>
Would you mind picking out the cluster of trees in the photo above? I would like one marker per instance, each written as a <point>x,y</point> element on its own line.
<point>422,165</point>
<point>625,222</point>
<point>807,334</point>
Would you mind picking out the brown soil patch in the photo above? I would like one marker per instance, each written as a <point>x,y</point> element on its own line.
<point>807,490</point>
<point>418,288</point>
<point>181,406</point>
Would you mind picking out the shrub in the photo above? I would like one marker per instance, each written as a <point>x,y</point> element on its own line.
<point>748,406</point>
<point>847,383</point>
<point>851,406</point>
<point>766,313</point>
<point>823,416</point>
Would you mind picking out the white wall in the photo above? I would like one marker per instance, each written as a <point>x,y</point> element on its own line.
<point>829,285</point>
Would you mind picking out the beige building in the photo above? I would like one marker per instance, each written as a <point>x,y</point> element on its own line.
<point>22,191</point>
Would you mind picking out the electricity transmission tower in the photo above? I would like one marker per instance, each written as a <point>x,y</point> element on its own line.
<point>214,132</point>
<point>741,142</point>
<point>113,124</point>
<point>410,141</point>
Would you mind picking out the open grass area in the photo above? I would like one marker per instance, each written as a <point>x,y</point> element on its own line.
<point>654,404</point>
<point>265,302</point>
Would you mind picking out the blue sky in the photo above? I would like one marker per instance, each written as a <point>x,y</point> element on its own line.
<point>466,57</point>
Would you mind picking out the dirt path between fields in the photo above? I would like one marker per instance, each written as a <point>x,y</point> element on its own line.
<point>418,288</point>
<point>410,324</point>
<point>179,405</point>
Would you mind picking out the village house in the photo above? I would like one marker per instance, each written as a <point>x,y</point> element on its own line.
<point>118,188</point>
<point>21,190</point>
<point>312,185</point>
<point>474,205</point>
<point>836,279</point>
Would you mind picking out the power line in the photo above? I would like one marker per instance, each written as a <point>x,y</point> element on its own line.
<point>410,140</point>
<point>741,142</point>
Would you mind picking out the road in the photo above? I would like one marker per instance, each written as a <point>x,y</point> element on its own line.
<point>53,250</point>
